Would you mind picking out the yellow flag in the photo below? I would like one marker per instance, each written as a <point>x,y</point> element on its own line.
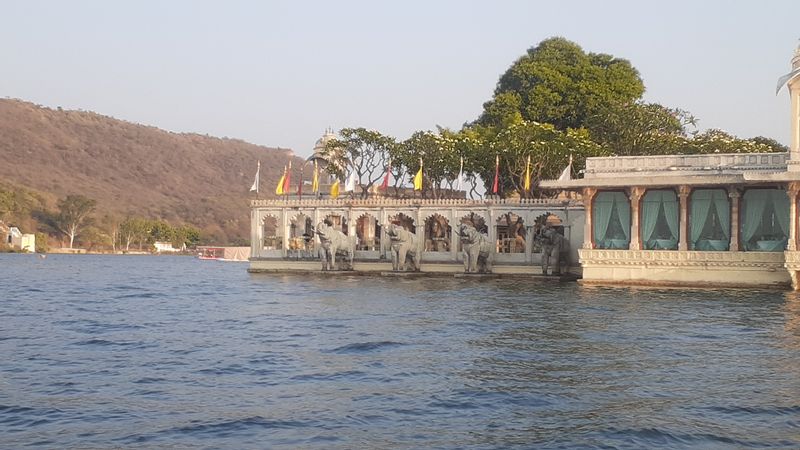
<point>335,189</point>
<point>528,174</point>
<point>279,189</point>
<point>315,180</point>
<point>418,177</point>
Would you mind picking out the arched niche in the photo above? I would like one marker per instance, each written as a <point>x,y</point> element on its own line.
<point>368,233</point>
<point>337,221</point>
<point>272,238</point>
<point>404,221</point>
<point>511,233</point>
<point>301,232</point>
<point>437,233</point>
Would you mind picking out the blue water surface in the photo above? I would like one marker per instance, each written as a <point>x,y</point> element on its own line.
<point>154,352</point>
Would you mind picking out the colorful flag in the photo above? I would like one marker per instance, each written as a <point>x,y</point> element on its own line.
<point>385,184</point>
<point>566,174</point>
<point>496,185</point>
<point>335,189</point>
<point>315,179</point>
<point>461,175</point>
<point>281,183</point>
<point>528,174</point>
<point>286,181</point>
<point>254,187</point>
<point>418,177</point>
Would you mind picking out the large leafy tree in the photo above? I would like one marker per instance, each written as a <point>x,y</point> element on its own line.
<point>548,148</point>
<point>366,152</point>
<point>73,214</point>
<point>639,128</point>
<point>557,82</point>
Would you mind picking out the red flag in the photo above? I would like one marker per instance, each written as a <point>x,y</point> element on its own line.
<point>286,181</point>
<point>385,184</point>
<point>496,186</point>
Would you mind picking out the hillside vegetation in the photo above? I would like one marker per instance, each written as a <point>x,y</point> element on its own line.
<point>132,170</point>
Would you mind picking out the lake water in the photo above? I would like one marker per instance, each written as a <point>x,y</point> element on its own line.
<point>151,352</point>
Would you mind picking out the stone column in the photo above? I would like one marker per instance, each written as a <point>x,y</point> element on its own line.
<point>454,237</point>
<point>683,225</point>
<point>254,233</point>
<point>492,228</point>
<point>285,230</point>
<point>635,198</point>
<point>588,226</point>
<point>792,192</point>
<point>734,195</point>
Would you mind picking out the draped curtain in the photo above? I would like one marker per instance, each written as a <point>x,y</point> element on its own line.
<point>605,205</point>
<point>699,214</point>
<point>780,203</point>
<point>650,208</point>
<point>723,207</point>
<point>754,203</point>
<point>654,202</point>
<point>671,213</point>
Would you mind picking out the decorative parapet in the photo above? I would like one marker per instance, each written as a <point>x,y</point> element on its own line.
<point>414,202</point>
<point>604,167</point>
<point>673,258</point>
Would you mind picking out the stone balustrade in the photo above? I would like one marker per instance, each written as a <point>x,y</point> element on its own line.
<point>384,202</point>
<point>625,166</point>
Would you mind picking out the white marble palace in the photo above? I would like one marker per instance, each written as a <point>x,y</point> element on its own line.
<point>716,219</point>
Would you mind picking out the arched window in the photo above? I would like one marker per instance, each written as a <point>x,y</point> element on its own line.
<point>437,234</point>
<point>337,221</point>
<point>301,233</point>
<point>709,220</point>
<point>611,220</point>
<point>660,218</point>
<point>765,220</point>
<point>404,221</point>
<point>511,233</point>
<point>368,233</point>
<point>272,239</point>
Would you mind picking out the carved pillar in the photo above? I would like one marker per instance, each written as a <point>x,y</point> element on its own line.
<point>683,225</point>
<point>635,198</point>
<point>734,195</point>
<point>588,205</point>
<point>254,226</point>
<point>454,223</point>
<point>792,192</point>
<point>492,228</point>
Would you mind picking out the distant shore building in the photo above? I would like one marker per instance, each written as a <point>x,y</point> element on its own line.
<point>714,219</point>
<point>17,240</point>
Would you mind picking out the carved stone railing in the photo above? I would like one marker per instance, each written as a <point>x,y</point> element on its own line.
<point>411,202</point>
<point>674,258</point>
<point>677,164</point>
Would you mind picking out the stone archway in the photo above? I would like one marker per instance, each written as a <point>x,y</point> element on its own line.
<point>437,233</point>
<point>368,233</point>
<point>511,233</point>
<point>271,236</point>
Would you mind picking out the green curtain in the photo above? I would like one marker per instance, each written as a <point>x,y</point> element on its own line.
<point>671,213</point>
<point>624,214</point>
<point>780,203</point>
<point>650,209</point>
<point>754,201</point>
<point>601,216</point>
<point>723,207</point>
<point>699,214</point>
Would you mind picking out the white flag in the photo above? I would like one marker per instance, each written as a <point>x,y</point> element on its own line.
<point>566,175</point>
<point>350,185</point>
<point>461,175</point>
<point>254,187</point>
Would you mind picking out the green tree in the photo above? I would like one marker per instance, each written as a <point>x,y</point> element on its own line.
<point>73,214</point>
<point>132,230</point>
<point>557,82</point>
<point>640,128</point>
<point>367,152</point>
<point>549,150</point>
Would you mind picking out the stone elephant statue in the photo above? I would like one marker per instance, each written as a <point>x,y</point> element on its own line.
<point>334,242</point>
<point>552,245</point>
<point>477,250</point>
<point>404,248</point>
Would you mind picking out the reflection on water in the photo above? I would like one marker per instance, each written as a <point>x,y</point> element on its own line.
<point>169,351</point>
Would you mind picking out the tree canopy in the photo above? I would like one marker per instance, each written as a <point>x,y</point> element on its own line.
<point>558,83</point>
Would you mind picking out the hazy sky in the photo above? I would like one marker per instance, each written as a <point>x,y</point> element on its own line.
<point>279,73</point>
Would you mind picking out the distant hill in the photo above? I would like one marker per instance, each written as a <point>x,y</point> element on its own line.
<point>133,169</point>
